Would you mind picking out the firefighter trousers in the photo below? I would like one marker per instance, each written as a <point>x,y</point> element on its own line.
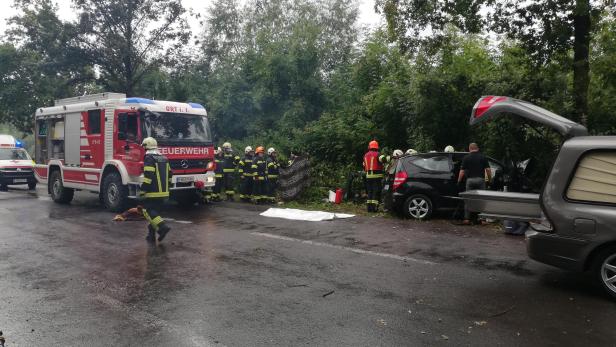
<point>373,190</point>
<point>260,189</point>
<point>246,187</point>
<point>217,187</point>
<point>229,180</point>
<point>150,212</point>
<point>272,187</point>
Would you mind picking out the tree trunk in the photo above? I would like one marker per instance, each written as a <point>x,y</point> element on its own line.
<point>581,66</point>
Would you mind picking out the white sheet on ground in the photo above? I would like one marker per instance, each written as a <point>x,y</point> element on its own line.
<point>311,216</point>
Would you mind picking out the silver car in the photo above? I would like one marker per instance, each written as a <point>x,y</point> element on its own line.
<point>573,220</point>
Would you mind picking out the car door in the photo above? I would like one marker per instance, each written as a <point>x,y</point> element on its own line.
<point>436,171</point>
<point>388,180</point>
<point>128,148</point>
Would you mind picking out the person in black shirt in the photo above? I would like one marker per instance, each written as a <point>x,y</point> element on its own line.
<point>476,169</point>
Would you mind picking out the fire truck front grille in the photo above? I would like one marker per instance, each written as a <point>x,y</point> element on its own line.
<point>183,164</point>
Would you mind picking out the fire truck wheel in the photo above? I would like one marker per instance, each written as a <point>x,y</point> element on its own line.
<point>114,193</point>
<point>59,194</point>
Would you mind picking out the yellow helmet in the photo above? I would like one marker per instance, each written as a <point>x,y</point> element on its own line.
<point>226,145</point>
<point>149,143</point>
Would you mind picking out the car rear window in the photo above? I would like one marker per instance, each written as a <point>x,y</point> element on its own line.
<point>595,179</point>
<point>434,163</point>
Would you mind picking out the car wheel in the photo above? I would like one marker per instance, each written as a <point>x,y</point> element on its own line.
<point>115,194</point>
<point>418,206</point>
<point>32,186</point>
<point>59,194</point>
<point>604,270</point>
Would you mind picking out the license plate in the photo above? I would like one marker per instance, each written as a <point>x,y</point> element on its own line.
<point>20,180</point>
<point>185,179</point>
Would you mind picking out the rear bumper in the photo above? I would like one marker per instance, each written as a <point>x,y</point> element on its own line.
<point>563,252</point>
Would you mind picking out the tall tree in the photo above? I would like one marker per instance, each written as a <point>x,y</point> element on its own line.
<point>553,28</point>
<point>547,29</point>
<point>128,38</point>
<point>40,62</point>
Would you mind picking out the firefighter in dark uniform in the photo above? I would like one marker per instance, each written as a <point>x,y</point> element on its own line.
<point>246,174</point>
<point>218,174</point>
<point>230,163</point>
<point>154,189</point>
<point>259,165</point>
<point>373,167</point>
<point>273,170</point>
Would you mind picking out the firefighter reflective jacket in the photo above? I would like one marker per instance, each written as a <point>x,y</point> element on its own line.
<point>156,176</point>
<point>260,168</point>
<point>230,162</point>
<point>373,164</point>
<point>245,166</point>
<point>219,166</point>
<point>273,168</point>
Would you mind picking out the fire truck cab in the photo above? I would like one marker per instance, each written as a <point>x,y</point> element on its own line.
<point>15,164</point>
<point>93,143</point>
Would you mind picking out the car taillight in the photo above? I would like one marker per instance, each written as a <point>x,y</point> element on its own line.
<point>400,178</point>
<point>485,103</point>
<point>211,166</point>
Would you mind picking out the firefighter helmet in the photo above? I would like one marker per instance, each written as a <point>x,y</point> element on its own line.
<point>411,151</point>
<point>449,149</point>
<point>260,149</point>
<point>247,149</point>
<point>398,153</point>
<point>271,150</point>
<point>217,151</point>
<point>149,143</point>
<point>226,145</point>
<point>373,145</point>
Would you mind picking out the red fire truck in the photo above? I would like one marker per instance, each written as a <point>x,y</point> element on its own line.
<point>92,143</point>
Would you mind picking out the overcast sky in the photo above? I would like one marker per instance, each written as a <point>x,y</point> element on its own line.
<point>367,16</point>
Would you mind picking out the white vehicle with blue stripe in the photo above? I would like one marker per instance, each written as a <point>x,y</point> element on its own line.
<point>15,164</point>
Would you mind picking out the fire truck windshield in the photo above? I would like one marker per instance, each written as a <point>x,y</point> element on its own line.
<point>176,128</point>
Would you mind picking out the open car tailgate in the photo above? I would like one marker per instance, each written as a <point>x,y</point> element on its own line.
<point>503,205</point>
<point>489,107</point>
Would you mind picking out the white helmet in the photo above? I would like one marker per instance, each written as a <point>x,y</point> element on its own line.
<point>217,151</point>
<point>411,151</point>
<point>149,143</point>
<point>449,149</point>
<point>398,153</point>
<point>271,150</point>
<point>247,149</point>
<point>226,145</point>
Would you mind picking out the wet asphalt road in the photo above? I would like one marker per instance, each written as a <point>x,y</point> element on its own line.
<point>226,276</point>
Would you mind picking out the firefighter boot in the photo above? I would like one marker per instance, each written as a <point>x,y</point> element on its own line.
<point>163,229</point>
<point>151,235</point>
